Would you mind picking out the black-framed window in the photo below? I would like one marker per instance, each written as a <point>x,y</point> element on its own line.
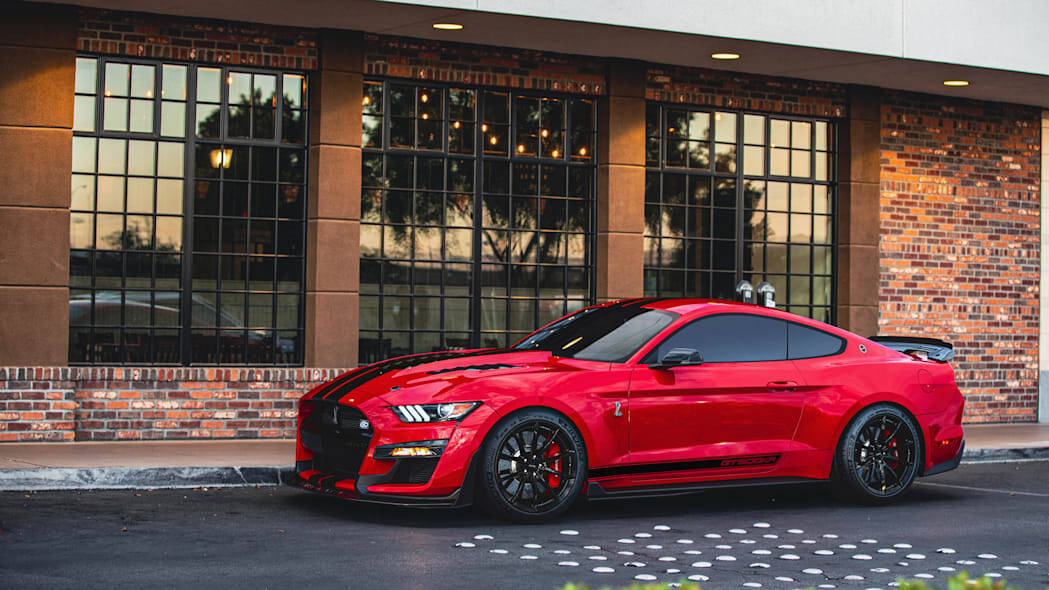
<point>188,214</point>
<point>476,219</point>
<point>733,195</point>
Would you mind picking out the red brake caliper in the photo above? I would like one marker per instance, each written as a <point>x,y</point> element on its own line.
<point>553,480</point>
<point>894,454</point>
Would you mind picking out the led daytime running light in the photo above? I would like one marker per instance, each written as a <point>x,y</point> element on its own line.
<point>420,413</point>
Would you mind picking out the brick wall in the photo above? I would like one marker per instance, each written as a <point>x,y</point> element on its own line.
<point>789,96</point>
<point>94,403</point>
<point>476,64</point>
<point>959,250</point>
<point>205,41</point>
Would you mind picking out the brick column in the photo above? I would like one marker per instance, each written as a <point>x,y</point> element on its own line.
<point>1043,332</point>
<point>859,173</point>
<point>37,64</point>
<point>621,183</point>
<point>333,225</point>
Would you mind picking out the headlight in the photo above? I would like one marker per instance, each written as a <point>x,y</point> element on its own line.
<point>434,412</point>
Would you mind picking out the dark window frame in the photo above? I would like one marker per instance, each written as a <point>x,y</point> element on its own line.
<point>479,157</point>
<point>648,358</point>
<point>189,142</point>
<point>740,178</point>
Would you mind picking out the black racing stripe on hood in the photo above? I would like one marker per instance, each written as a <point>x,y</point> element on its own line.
<point>339,381</point>
<point>379,369</point>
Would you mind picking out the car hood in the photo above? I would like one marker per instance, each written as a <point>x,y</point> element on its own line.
<point>436,377</point>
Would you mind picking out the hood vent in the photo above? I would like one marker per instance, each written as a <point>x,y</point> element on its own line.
<point>472,368</point>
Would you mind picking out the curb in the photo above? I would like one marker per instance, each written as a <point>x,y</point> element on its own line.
<point>122,478</point>
<point>116,478</point>
<point>1005,455</point>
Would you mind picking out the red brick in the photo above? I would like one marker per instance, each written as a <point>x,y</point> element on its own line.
<point>960,233</point>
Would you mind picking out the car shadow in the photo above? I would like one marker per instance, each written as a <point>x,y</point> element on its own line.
<point>797,497</point>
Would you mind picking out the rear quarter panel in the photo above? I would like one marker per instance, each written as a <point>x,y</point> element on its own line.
<point>838,387</point>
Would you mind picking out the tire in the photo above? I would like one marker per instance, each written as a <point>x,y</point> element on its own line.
<point>533,466</point>
<point>878,457</point>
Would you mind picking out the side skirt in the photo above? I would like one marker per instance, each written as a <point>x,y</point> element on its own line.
<point>595,491</point>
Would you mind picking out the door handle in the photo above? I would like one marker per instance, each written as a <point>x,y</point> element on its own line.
<point>782,385</point>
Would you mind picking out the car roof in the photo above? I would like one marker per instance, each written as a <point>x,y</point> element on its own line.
<point>693,306</point>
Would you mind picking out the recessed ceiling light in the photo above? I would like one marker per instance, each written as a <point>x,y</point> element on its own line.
<point>955,82</point>
<point>724,55</point>
<point>447,26</point>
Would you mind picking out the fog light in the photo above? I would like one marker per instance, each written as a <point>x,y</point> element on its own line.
<point>416,449</point>
<point>413,452</point>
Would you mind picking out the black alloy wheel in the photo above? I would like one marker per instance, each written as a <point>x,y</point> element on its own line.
<point>878,456</point>
<point>534,466</point>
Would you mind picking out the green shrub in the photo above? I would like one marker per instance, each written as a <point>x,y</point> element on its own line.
<point>960,581</point>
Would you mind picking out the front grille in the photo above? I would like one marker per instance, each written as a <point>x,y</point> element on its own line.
<point>344,437</point>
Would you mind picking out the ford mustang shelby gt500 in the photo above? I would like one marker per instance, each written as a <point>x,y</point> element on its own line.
<point>641,396</point>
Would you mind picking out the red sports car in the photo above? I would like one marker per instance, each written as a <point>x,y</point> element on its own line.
<point>634,397</point>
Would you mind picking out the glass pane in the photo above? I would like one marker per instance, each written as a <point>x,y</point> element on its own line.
<point>170,159</point>
<point>174,82</point>
<point>779,164</point>
<point>779,134</point>
<point>83,113</point>
<point>141,116</point>
<point>142,81</point>
<point>239,123</point>
<point>169,196</point>
<point>109,231</point>
<point>82,191</point>
<point>402,100</point>
<point>754,129</point>
<point>264,90</point>
<point>140,195</point>
<point>110,193</point>
<point>801,198</point>
<point>753,160</point>
<point>777,196</point>
<point>724,157</point>
<point>84,154</point>
<point>239,88</point>
<point>294,90</point>
<point>173,119</point>
<point>699,126</point>
<point>209,84</point>
<point>821,199</point>
<point>209,120</point>
<point>81,230</point>
<point>725,127</point>
<point>114,115</point>
<point>86,75</point>
<point>117,75</point>
<point>141,157</point>
<point>800,228</point>
<point>801,135</point>
<point>800,163</point>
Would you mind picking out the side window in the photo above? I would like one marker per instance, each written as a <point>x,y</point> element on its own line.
<point>729,338</point>
<point>804,342</point>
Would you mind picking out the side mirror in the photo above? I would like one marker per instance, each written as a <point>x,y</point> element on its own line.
<point>679,357</point>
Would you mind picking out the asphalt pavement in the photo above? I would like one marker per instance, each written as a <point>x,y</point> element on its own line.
<point>984,518</point>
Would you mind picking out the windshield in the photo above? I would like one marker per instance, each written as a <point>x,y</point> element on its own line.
<point>606,334</point>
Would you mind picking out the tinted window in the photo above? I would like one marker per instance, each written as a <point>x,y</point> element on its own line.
<point>729,338</point>
<point>806,343</point>
<point>608,334</point>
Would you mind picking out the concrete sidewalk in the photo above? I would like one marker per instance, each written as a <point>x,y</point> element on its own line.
<point>189,464</point>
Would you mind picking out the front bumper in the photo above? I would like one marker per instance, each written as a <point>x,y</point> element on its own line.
<point>344,451</point>
<point>316,481</point>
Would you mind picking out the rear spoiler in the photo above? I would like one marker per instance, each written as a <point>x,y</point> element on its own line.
<point>937,350</point>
